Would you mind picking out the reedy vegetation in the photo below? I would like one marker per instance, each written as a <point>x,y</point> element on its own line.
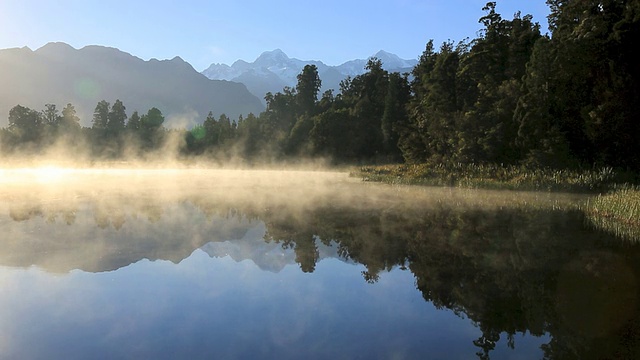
<point>617,212</point>
<point>491,176</point>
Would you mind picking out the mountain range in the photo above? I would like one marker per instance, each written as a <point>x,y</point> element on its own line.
<point>273,70</point>
<point>59,74</point>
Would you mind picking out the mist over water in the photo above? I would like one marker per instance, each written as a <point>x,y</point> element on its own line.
<point>189,261</point>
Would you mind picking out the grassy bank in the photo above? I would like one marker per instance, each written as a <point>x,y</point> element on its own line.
<point>615,208</point>
<point>494,177</point>
<point>617,212</point>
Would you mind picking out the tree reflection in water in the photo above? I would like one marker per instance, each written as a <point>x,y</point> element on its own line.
<point>512,263</point>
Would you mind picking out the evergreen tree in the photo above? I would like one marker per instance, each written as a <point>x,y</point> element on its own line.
<point>309,84</point>
<point>101,115</point>
<point>251,136</point>
<point>225,131</point>
<point>279,117</point>
<point>431,129</point>
<point>211,128</point>
<point>51,115</point>
<point>365,97</point>
<point>117,118</point>
<point>69,121</point>
<point>68,128</point>
<point>395,114</point>
<point>494,69</point>
<point>151,130</point>
<point>25,124</point>
<point>134,122</point>
<point>50,121</point>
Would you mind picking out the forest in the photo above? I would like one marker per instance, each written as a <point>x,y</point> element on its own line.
<point>567,99</point>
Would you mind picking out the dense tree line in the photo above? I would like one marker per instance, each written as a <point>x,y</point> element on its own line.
<point>510,96</point>
<point>516,96</point>
<point>33,132</point>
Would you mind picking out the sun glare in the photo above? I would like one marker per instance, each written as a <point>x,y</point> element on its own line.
<point>49,173</point>
<point>43,174</point>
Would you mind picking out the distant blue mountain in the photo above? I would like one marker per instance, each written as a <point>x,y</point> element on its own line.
<point>59,74</point>
<point>273,70</point>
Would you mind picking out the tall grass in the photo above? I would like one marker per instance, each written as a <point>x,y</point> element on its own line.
<point>615,208</point>
<point>617,212</point>
<point>494,177</point>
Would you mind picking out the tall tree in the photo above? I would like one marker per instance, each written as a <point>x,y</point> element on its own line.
<point>51,115</point>
<point>280,117</point>
<point>101,115</point>
<point>25,124</point>
<point>153,119</point>
<point>541,141</point>
<point>134,122</point>
<point>365,97</point>
<point>50,121</point>
<point>395,114</point>
<point>412,134</point>
<point>69,129</point>
<point>117,118</point>
<point>431,132</point>
<point>587,91</point>
<point>226,132</point>
<point>211,131</point>
<point>309,84</point>
<point>151,130</point>
<point>494,68</point>
<point>69,120</point>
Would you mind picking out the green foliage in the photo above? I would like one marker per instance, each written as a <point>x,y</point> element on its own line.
<point>309,84</point>
<point>116,118</point>
<point>69,122</point>
<point>617,212</point>
<point>152,120</point>
<point>51,115</point>
<point>25,125</point>
<point>134,122</point>
<point>101,115</point>
<point>151,132</point>
<point>496,177</point>
<point>595,100</point>
<point>331,135</point>
<point>395,114</point>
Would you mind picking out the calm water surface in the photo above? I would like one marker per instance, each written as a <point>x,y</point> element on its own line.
<point>164,264</point>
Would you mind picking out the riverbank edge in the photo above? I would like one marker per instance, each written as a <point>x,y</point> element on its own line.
<point>614,206</point>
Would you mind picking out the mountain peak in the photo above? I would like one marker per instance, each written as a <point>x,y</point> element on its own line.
<point>273,70</point>
<point>383,55</point>
<point>276,52</point>
<point>272,57</point>
<point>55,48</point>
<point>55,45</point>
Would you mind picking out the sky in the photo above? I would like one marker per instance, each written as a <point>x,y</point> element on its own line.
<point>204,32</point>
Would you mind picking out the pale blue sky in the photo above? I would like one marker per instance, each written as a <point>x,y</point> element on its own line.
<point>205,32</point>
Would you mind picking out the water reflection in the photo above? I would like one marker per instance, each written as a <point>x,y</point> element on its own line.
<point>508,263</point>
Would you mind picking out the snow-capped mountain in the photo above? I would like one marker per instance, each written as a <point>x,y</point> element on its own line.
<point>273,70</point>
<point>390,62</point>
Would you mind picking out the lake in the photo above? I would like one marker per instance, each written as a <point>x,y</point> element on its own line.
<point>247,264</point>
